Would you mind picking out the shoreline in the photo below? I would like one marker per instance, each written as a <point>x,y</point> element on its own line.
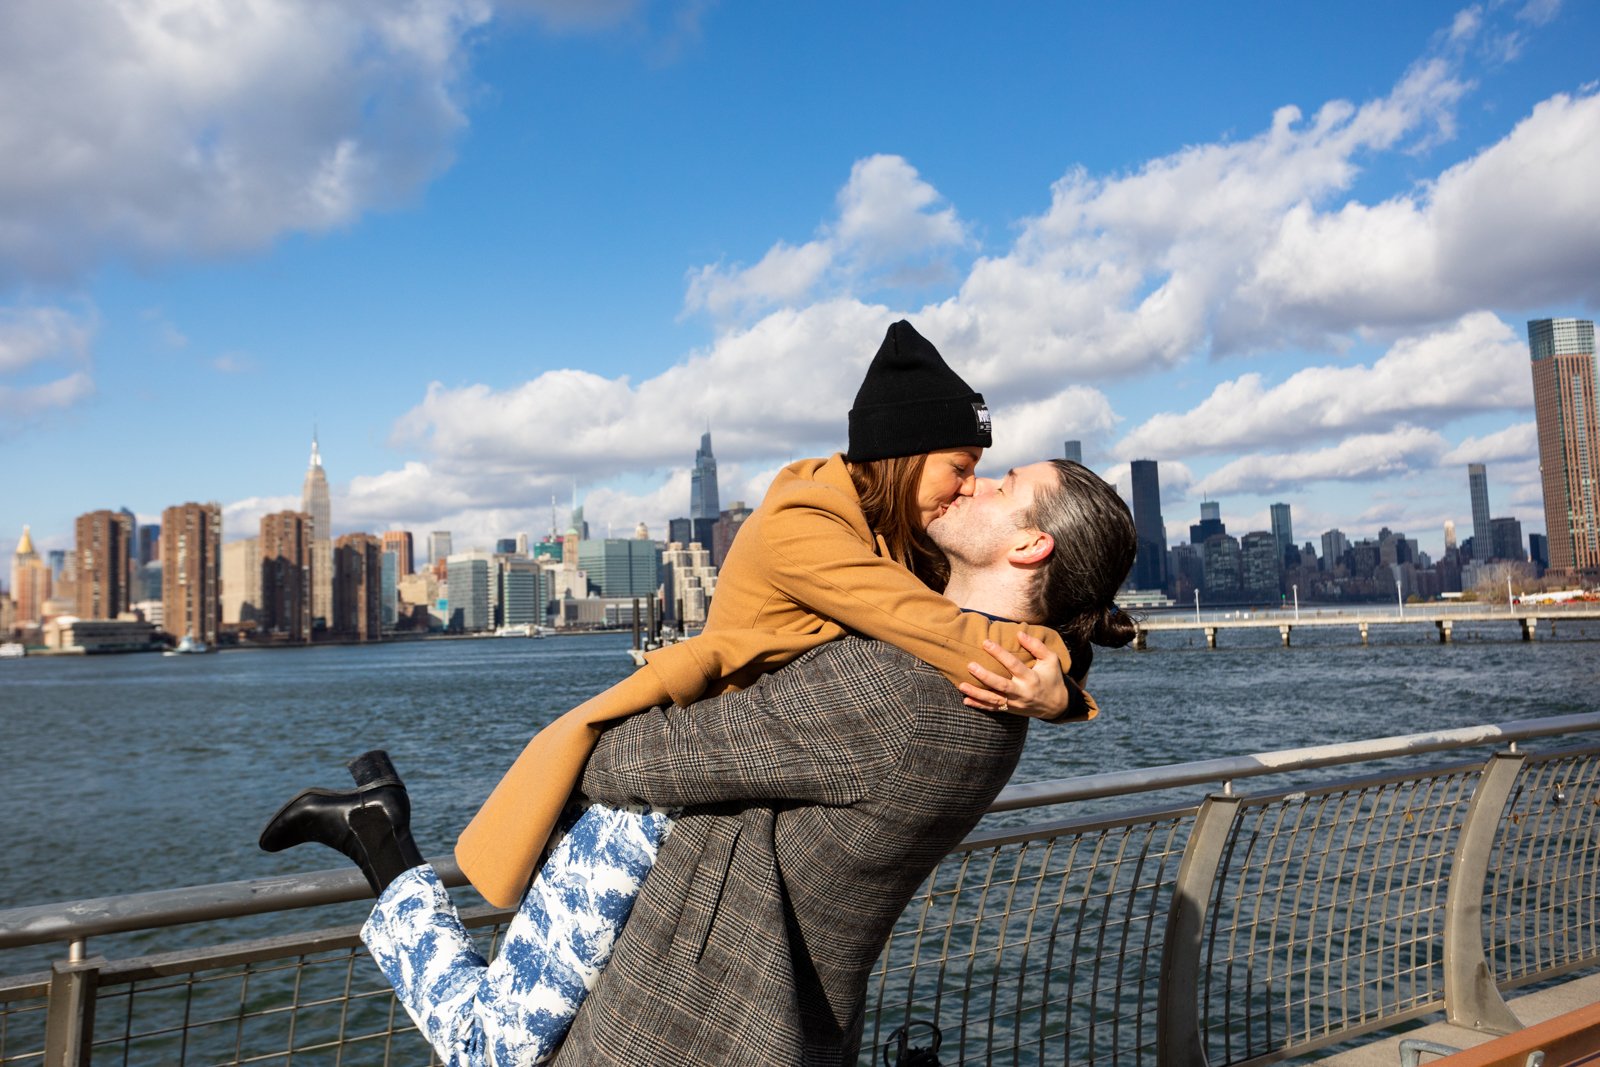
<point>81,653</point>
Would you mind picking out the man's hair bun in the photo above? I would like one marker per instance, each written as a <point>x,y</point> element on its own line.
<point>1114,628</point>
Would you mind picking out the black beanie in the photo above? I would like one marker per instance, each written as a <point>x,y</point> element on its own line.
<point>911,402</point>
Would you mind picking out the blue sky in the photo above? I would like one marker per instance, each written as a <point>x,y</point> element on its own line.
<point>490,250</point>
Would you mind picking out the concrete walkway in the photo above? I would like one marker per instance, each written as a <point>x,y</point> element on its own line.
<point>1533,1008</point>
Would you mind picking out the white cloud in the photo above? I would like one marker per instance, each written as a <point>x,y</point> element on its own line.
<point>242,518</point>
<point>887,212</point>
<point>35,342</point>
<point>1477,364</point>
<point>890,223</point>
<point>150,129</point>
<point>1362,457</point>
<point>1035,429</point>
<point>21,404</point>
<point>1517,224</point>
<point>31,335</point>
<point>1518,442</point>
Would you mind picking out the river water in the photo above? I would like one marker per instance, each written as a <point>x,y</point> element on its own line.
<point>127,773</point>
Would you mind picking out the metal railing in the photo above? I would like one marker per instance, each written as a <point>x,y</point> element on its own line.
<point>1239,929</point>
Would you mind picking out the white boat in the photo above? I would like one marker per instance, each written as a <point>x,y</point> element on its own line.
<point>521,629</point>
<point>186,645</point>
<point>12,650</point>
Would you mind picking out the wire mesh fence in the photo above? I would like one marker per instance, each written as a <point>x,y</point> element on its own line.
<point>1320,914</point>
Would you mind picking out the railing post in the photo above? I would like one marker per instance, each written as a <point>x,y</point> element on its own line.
<point>1471,998</point>
<point>1178,1041</point>
<point>69,1027</point>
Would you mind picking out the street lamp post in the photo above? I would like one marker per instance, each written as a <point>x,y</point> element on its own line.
<point>1399,599</point>
<point>1296,603</point>
<point>1509,607</point>
<point>1197,606</point>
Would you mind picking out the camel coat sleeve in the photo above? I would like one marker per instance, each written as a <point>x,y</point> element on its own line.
<point>804,570</point>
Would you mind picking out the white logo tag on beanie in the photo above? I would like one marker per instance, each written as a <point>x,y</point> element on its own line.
<point>981,410</point>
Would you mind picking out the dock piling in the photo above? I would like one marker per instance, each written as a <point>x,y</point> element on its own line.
<point>1283,631</point>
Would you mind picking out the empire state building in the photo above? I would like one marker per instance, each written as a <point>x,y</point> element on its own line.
<point>314,502</point>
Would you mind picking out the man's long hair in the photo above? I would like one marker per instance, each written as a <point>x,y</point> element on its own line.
<point>1095,543</point>
<point>888,492</point>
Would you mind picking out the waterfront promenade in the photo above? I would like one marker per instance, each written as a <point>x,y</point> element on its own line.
<point>1531,619</point>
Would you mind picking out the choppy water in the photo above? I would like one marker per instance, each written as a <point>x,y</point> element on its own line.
<point>128,773</point>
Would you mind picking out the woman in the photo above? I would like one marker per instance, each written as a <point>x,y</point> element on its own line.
<point>837,545</point>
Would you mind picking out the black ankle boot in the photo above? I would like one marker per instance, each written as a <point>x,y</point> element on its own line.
<point>371,825</point>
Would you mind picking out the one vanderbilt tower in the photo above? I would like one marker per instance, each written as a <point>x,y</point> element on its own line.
<point>1569,439</point>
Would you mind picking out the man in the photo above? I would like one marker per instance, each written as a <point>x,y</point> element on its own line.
<point>821,797</point>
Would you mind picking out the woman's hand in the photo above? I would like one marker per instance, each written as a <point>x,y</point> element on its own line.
<point>1038,691</point>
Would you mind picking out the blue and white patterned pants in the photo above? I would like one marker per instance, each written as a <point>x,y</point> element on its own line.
<point>516,1010</point>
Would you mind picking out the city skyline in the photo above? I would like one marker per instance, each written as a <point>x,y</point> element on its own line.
<point>1304,282</point>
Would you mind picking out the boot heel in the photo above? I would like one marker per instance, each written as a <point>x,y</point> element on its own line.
<point>373,769</point>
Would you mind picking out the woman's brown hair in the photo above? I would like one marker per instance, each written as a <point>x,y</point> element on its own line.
<point>888,492</point>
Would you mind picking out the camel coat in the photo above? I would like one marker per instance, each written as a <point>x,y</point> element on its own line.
<point>804,570</point>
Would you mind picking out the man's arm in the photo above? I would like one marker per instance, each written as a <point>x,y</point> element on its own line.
<point>823,730</point>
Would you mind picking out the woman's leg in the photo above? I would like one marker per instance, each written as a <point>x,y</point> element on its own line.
<point>517,1009</point>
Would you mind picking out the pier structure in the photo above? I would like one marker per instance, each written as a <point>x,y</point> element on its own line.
<point>1233,911</point>
<point>1444,619</point>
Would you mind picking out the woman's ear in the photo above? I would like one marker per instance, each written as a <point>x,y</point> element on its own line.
<point>1034,546</point>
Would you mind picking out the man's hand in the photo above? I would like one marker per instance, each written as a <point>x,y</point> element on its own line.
<point>1038,691</point>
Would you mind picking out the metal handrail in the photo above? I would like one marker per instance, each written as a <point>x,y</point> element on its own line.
<point>81,919</point>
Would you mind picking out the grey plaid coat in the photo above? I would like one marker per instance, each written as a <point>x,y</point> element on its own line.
<point>821,798</point>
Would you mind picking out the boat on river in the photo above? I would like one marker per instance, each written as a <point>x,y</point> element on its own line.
<point>521,629</point>
<point>187,645</point>
<point>12,650</point>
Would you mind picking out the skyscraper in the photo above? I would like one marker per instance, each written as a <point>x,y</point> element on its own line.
<point>1506,537</point>
<point>1073,451</point>
<point>1210,523</point>
<point>286,576</point>
<point>191,571</point>
<point>399,542</point>
<point>314,502</point>
<point>105,546</point>
<point>30,581</point>
<point>1334,545</point>
<point>438,546</point>
<point>1478,483</point>
<point>241,581</point>
<point>1564,404</point>
<point>1282,529</point>
<point>149,544</point>
<point>1150,565</point>
<point>703,498</point>
<point>358,592</point>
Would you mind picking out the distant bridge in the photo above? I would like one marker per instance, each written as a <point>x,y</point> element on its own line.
<point>1443,617</point>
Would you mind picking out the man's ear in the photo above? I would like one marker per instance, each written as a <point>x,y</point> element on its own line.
<point>1033,547</point>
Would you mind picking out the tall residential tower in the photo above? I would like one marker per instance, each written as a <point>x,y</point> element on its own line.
<point>1564,403</point>
<point>1150,564</point>
<point>191,571</point>
<point>1478,485</point>
<point>105,547</point>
